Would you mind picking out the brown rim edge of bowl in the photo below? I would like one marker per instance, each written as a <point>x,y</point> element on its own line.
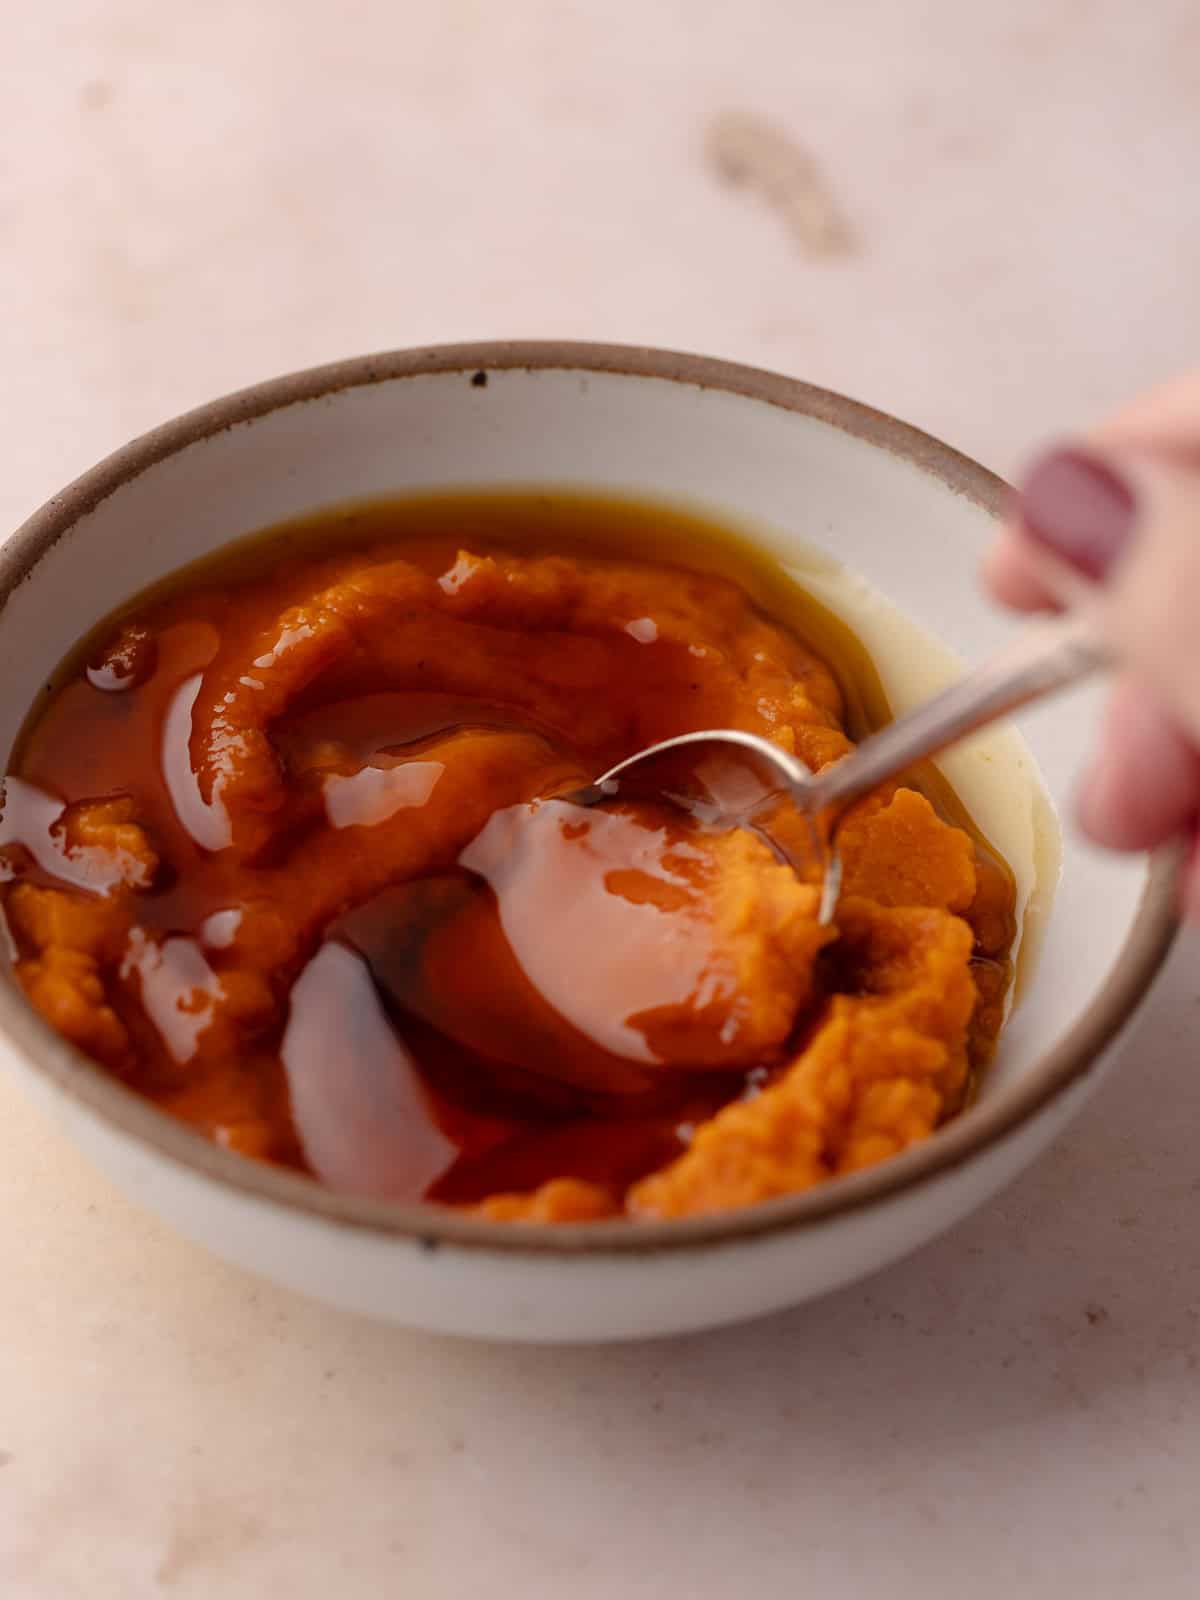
<point>1068,1063</point>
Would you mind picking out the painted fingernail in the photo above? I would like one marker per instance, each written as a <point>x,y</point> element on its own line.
<point>1078,507</point>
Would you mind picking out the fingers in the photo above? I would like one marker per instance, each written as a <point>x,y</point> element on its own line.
<point>1144,784</point>
<point>1164,421</point>
<point>1152,594</point>
<point>1162,425</point>
<point>1010,573</point>
<point>1143,788</point>
<point>1070,524</point>
<point>1121,511</point>
<point>1126,526</point>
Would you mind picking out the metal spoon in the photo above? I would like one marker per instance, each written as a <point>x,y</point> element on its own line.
<point>1044,657</point>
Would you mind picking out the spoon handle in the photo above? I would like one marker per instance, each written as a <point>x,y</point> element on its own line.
<point>1044,657</point>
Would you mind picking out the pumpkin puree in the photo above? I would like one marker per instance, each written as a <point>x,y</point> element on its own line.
<point>289,854</point>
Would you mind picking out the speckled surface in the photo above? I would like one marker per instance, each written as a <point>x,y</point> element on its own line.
<point>195,197</point>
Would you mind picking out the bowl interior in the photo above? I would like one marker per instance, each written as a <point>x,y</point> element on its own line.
<point>819,495</point>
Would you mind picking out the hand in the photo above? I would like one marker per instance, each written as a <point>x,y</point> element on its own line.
<point>1122,508</point>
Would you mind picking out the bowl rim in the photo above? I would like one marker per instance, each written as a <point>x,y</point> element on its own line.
<point>1072,1060</point>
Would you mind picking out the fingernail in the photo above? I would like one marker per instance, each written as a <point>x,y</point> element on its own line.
<point>1078,507</point>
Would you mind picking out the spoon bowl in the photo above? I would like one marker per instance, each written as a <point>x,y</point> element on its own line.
<point>692,771</point>
<point>1042,659</point>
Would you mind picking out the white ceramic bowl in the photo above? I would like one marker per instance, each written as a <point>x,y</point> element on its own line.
<point>810,472</point>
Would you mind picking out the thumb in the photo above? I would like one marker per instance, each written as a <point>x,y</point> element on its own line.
<point>1128,522</point>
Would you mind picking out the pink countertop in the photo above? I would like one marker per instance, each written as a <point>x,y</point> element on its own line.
<point>195,197</point>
